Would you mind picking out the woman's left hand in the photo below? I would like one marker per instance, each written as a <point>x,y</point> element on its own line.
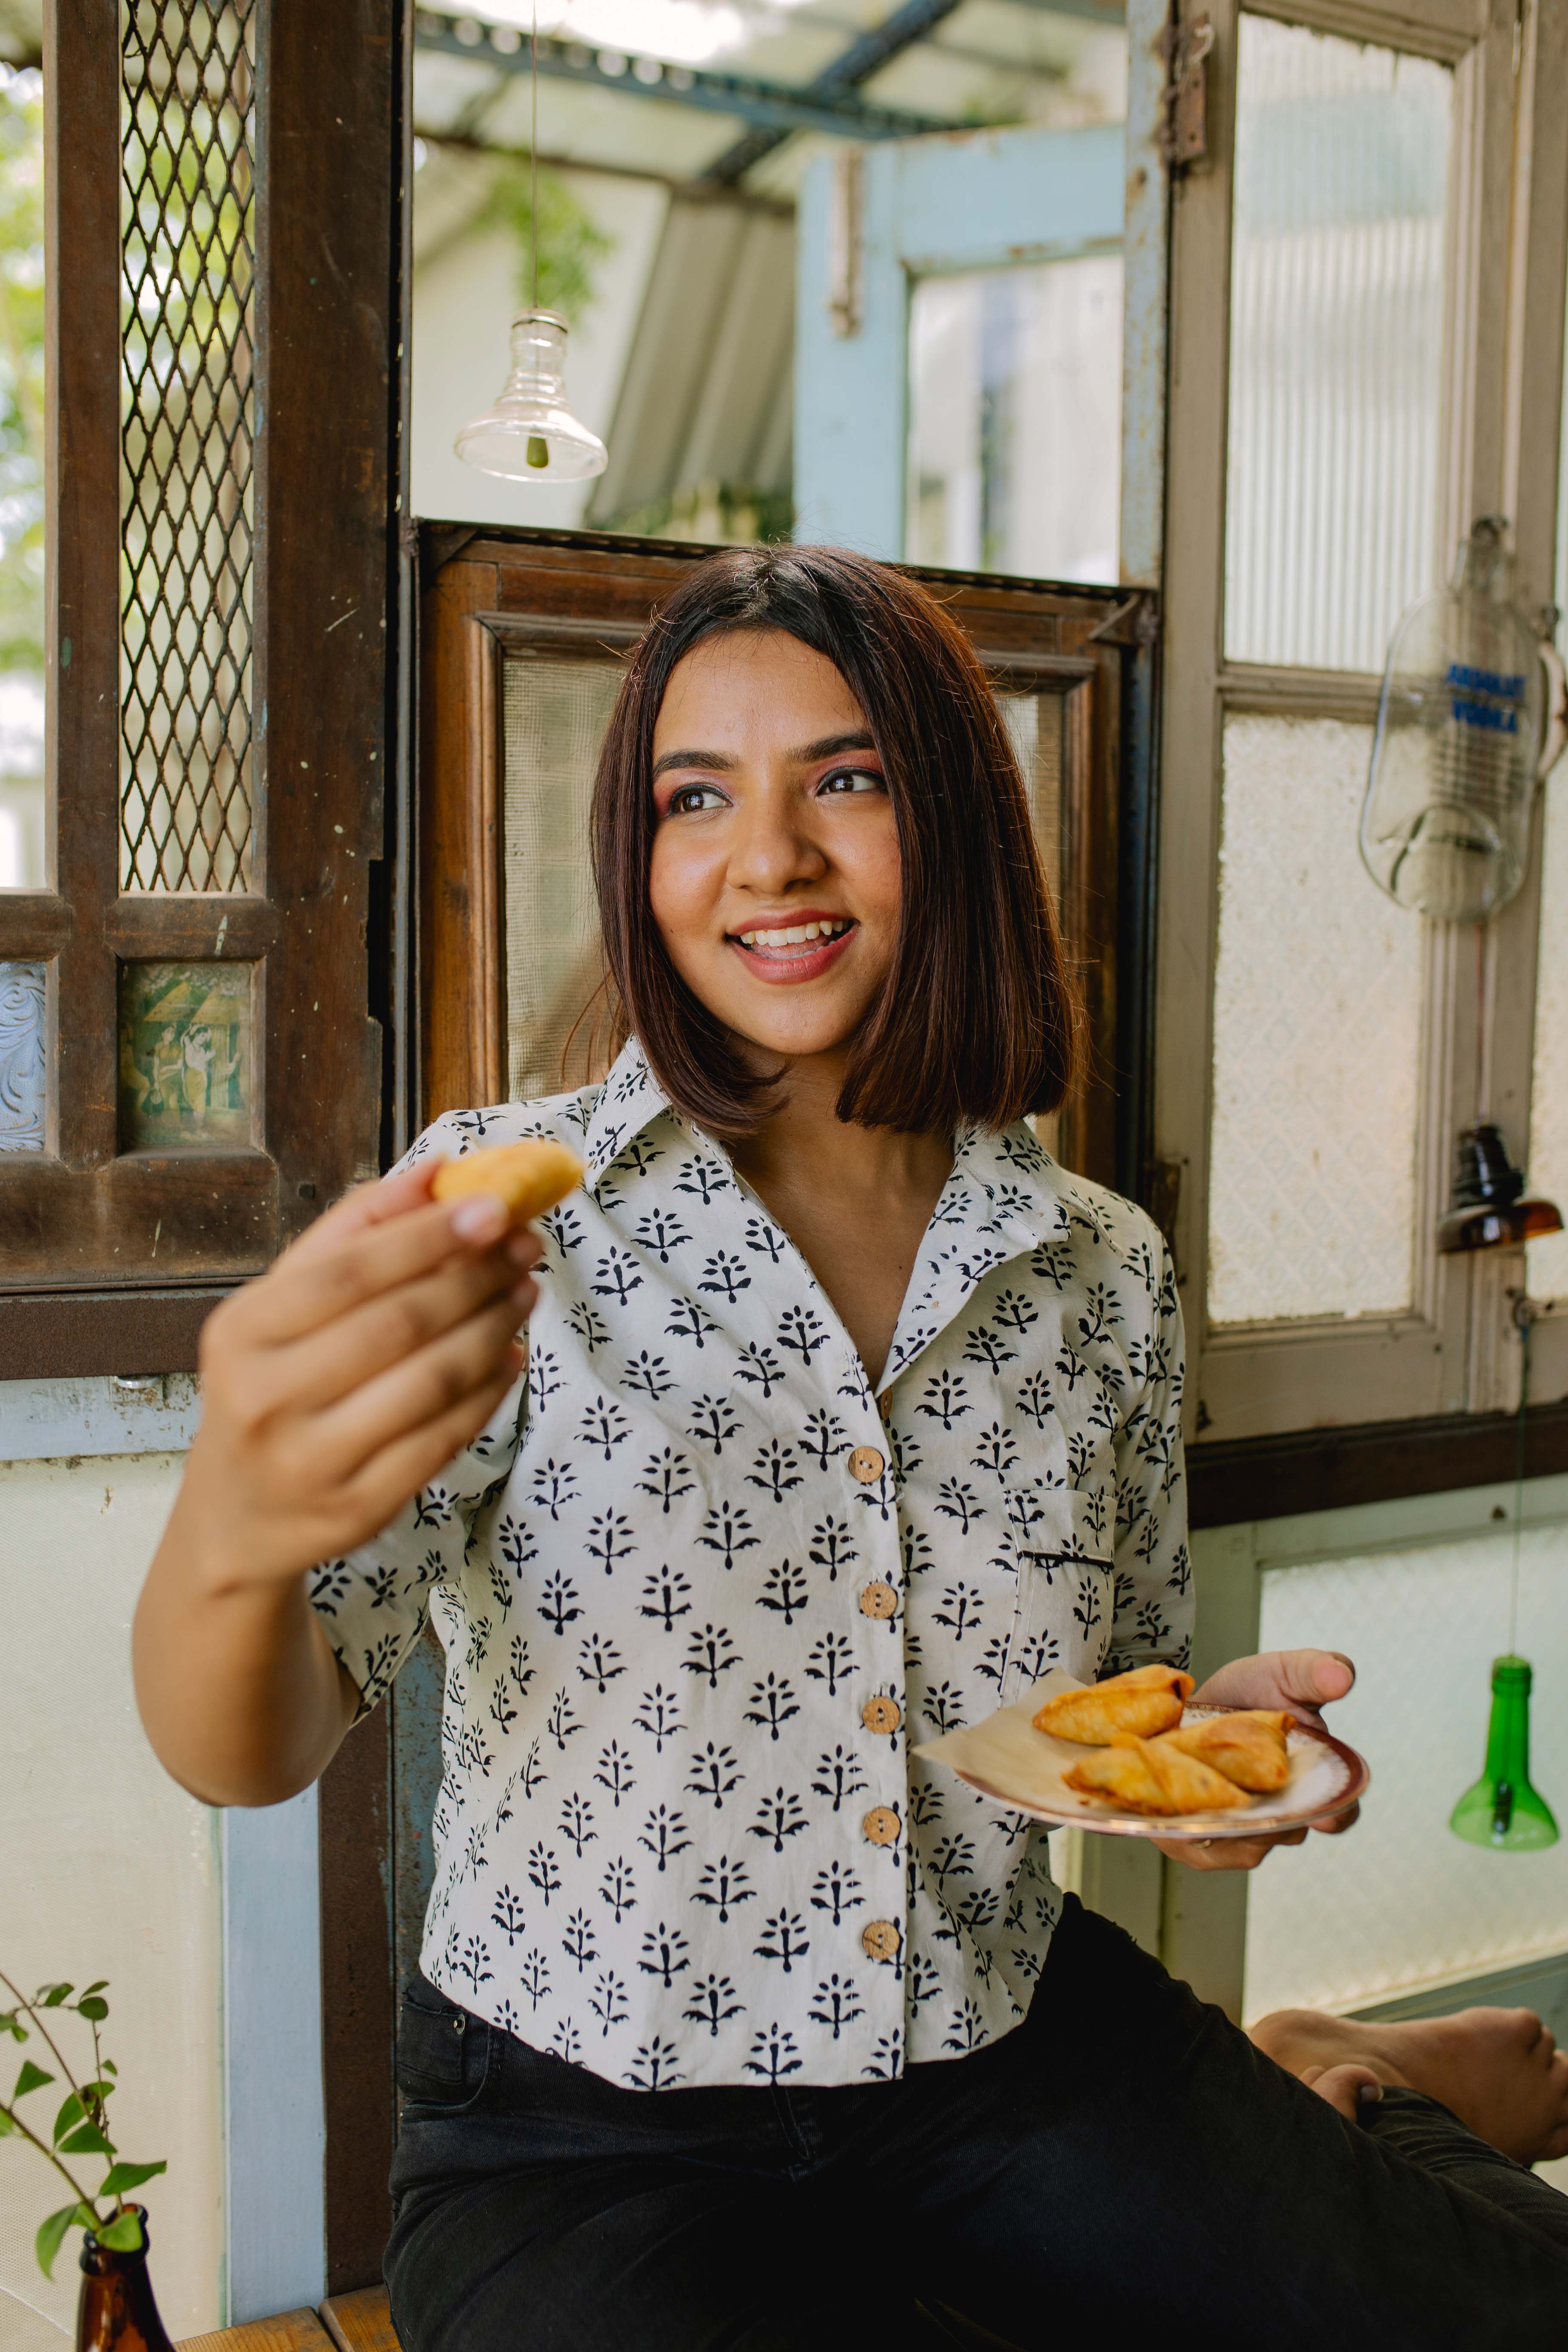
<point>1303,1682</point>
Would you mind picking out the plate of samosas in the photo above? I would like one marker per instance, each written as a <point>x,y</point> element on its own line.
<point>1131,1757</point>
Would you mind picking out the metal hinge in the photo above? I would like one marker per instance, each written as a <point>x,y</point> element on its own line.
<point>1184,137</point>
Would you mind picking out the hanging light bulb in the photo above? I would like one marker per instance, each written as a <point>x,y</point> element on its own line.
<point>531,433</point>
<point>1472,717</point>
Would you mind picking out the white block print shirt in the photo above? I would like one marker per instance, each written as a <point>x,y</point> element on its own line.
<point>701,1591</point>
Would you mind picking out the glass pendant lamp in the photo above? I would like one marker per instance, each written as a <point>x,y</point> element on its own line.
<point>531,433</point>
<point>1470,718</point>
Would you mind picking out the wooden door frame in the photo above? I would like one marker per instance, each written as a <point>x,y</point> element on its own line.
<point>485,593</point>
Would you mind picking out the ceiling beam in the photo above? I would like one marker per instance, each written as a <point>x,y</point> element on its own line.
<point>695,192</point>
<point>897,32</point>
<point>776,108</point>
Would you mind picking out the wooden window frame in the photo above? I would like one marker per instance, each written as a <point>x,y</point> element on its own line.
<point>110,1258</point>
<point>487,593</point>
<point>1453,1351</point>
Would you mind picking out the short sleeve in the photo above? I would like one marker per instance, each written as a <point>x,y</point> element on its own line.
<point>1154,1604</point>
<point>373,1602</point>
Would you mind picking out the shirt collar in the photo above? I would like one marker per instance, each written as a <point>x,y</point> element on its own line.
<point>1006,1198</point>
<point>630,1099</point>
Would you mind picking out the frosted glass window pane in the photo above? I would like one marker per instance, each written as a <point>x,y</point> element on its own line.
<point>22,1088</point>
<point>1316,1040</point>
<point>1034,724</point>
<point>1398,1900</point>
<point>1015,436</point>
<point>555,713</point>
<point>1336,339</point>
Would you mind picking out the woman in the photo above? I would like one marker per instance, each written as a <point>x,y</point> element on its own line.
<point>847,1414</point>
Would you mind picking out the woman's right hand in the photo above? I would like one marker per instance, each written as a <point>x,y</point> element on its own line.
<point>340,1383</point>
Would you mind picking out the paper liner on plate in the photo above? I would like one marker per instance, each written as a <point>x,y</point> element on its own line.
<point>1005,1758</point>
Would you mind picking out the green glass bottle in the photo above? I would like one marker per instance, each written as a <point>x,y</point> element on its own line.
<point>1502,1811</point>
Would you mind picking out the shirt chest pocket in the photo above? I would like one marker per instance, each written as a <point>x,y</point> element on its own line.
<point>1064,1543</point>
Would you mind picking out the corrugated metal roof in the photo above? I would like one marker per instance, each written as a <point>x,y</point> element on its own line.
<point>707,391</point>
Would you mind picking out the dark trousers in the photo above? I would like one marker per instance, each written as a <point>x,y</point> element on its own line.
<point>1124,2156</point>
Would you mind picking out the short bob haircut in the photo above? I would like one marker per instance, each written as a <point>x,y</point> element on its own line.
<point>977,1021</point>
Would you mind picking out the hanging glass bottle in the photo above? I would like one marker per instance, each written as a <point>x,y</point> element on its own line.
<point>1470,717</point>
<point>1501,1810</point>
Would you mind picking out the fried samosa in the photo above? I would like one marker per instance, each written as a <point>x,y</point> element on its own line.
<point>529,1177</point>
<point>1247,1746</point>
<point>1146,1700</point>
<point>1149,1775</point>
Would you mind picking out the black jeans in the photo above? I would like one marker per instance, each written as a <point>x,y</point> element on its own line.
<point>1123,2156</point>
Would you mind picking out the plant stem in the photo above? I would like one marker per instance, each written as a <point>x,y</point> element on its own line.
<point>97,2108</point>
<point>44,2149</point>
<point>32,2009</point>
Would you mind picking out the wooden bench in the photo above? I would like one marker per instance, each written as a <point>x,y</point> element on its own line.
<point>347,2323</point>
<point>361,2323</point>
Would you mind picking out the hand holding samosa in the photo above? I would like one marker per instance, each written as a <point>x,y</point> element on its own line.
<point>528,1177</point>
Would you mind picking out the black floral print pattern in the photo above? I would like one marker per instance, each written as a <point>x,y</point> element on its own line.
<point>700,1593</point>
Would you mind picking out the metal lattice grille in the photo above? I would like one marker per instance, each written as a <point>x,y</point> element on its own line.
<point>187,817</point>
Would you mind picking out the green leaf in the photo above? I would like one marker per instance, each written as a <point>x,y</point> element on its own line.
<point>110,2067</point>
<point>31,2078</point>
<point>86,2140</point>
<point>122,2176</point>
<point>123,2234</point>
<point>48,2243</point>
<point>91,2091</point>
<point>6,2123</point>
<point>98,1987</point>
<point>70,2115</point>
<point>91,2007</point>
<point>12,2024</point>
<point>51,1996</point>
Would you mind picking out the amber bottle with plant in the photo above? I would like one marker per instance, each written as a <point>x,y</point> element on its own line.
<point>116,2307</point>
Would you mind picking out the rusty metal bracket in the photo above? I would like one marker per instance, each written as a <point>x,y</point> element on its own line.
<point>1140,610</point>
<point>1184,137</point>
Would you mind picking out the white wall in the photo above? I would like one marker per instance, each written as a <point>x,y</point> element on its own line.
<point>107,1869</point>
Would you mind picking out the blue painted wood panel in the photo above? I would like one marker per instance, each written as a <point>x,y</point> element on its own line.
<point>977,200</point>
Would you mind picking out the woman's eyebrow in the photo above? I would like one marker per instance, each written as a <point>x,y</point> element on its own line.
<point>826,747</point>
<point>858,739</point>
<point>720,761</point>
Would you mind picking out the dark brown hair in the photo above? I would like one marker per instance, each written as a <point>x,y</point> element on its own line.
<point>976,1020</point>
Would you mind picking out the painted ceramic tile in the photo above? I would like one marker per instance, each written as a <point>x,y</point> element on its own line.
<point>185,1055</point>
<point>22,1095</point>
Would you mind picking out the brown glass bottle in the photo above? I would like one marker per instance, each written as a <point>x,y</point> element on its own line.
<point>117,2311</point>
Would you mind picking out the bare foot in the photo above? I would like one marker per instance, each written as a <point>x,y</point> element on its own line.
<point>1499,2069</point>
<point>1349,2090</point>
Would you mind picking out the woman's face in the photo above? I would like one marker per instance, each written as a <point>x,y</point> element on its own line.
<point>773,823</point>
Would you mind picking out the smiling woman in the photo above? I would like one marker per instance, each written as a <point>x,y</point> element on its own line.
<point>848,1413</point>
<point>807,738</point>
